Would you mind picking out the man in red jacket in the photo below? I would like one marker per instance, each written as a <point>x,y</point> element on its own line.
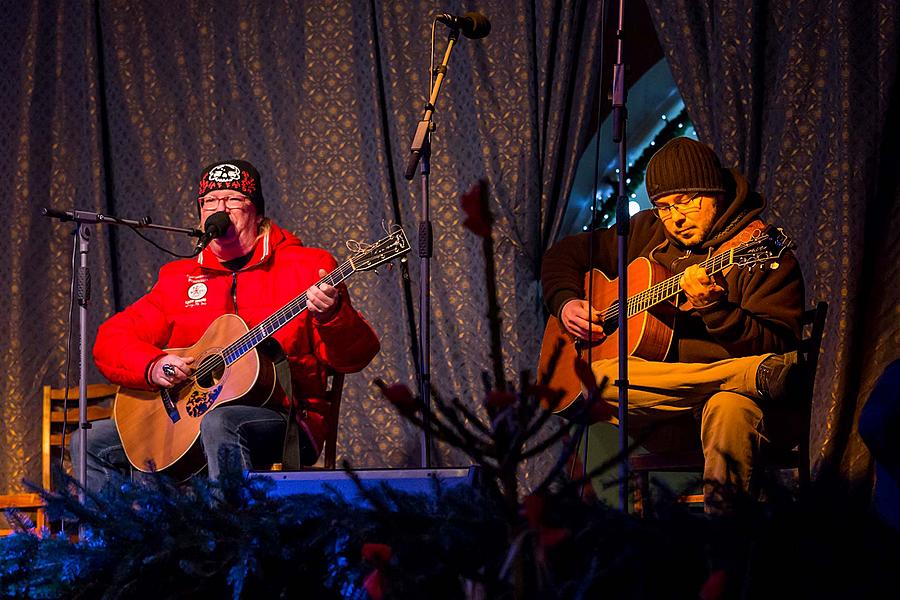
<point>252,270</point>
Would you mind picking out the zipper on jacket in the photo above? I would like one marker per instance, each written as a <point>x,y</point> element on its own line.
<point>234,291</point>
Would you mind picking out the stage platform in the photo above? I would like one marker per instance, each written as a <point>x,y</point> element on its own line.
<point>405,480</point>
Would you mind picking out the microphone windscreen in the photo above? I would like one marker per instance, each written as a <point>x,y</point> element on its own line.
<point>480,27</point>
<point>217,223</point>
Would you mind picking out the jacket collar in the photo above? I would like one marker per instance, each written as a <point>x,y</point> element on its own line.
<point>272,237</point>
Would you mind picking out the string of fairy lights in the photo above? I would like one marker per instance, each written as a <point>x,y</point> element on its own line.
<point>672,128</point>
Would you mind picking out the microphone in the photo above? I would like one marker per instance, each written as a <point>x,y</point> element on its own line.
<point>473,25</point>
<point>216,226</point>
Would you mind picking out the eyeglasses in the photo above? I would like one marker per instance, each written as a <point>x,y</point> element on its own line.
<point>684,206</point>
<point>233,203</point>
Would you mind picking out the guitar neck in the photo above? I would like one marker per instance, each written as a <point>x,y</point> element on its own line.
<point>670,287</point>
<point>282,317</point>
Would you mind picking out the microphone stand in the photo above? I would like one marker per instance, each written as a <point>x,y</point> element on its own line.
<point>623,224</point>
<point>420,151</point>
<point>82,276</point>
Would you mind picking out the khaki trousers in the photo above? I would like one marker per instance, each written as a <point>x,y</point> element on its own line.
<point>722,393</point>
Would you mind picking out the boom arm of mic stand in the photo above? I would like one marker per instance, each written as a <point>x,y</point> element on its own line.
<point>425,125</point>
<point>84,216</point>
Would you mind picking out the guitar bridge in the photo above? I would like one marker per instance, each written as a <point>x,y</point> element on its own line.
<point>166,397</point>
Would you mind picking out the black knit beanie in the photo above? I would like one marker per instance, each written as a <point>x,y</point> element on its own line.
<point>238,175</point>
<point>683,165</point>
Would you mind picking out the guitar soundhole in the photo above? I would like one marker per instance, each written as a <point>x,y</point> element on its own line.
<point>611,325</point>
<point>210,371</point>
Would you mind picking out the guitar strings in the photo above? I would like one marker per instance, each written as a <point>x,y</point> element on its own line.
<point>671,285</point>
<point>298,304</point>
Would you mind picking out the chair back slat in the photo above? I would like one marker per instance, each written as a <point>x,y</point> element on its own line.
<point>811,344</point>
<point>333,391</point>
<point>333,395</point>
<point>54,418</point>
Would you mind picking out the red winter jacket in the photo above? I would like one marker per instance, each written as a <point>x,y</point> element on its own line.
<point>191,293</point>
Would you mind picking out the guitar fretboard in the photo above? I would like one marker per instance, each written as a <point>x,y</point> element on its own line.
<point>281,317</point>
<point>366,258</point>
<point>668,288</point>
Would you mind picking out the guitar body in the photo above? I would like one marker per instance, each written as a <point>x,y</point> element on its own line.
<point>156,437</point>
<point>649,331</point>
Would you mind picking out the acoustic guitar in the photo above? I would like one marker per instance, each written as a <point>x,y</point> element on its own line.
<point>160,428</point>
<point>650,312</point>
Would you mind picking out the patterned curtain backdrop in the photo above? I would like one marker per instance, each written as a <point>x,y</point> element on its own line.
<point>116,106</point>
<point>803,97</point>
<point>51,156</point>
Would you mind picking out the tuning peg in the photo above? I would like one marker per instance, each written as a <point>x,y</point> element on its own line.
<point>774,265</point>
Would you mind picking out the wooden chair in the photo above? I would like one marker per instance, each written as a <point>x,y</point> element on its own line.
<point>641,465</point>
<point>54,422</point>
<point>24,502</point>
<point>332,419</point>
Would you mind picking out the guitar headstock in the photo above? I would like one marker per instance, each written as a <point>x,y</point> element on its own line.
<point>384,250</point>
<point>764,248</point>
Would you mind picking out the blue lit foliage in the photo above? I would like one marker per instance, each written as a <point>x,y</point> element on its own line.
<point>156,539</point>
<point>677,126</point>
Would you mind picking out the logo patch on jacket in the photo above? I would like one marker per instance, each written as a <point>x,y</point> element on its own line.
<point>196,295</point>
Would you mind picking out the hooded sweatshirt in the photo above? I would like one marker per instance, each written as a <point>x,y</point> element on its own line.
<point>191,293</point>
<point>759,313</point>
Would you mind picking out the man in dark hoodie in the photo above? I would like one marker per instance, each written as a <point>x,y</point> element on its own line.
<point>727,364</point>
<point>254,269</point>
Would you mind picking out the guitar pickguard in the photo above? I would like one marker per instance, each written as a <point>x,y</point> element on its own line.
<point>200,401</point>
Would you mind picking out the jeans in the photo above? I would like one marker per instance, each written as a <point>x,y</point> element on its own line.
<point>253,434</point>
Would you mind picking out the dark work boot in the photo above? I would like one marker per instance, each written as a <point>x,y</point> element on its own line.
<point>780,378</point>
